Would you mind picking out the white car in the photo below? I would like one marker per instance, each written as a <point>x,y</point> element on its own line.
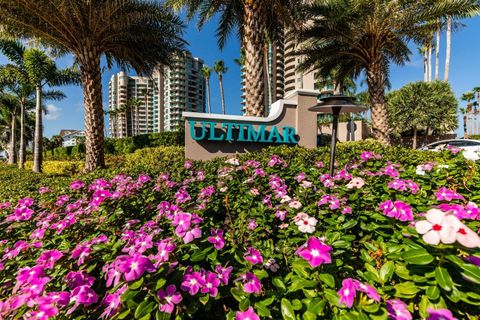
<point>471,148</point>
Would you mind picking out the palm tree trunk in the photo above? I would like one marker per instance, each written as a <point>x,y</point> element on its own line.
<point>414,141</point>
<point>132,122</point>
<point>91,78</point>
<point>21,155</point>
<point>267,76</point>
<point>425,63</point>
<point>254,26</point>
<point>465,135</point>
<point>437,52</point>
<point>147,110</point>
<point>376,89</point>
<point>430,45</point>
<point>37,142</point>
<point>447,55</point>
<point>208,95</point>
<point>12,150</point>
<point>220,79</point>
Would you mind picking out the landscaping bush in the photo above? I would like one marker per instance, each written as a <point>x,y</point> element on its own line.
<point>268,235</point>
<point>59,167</point>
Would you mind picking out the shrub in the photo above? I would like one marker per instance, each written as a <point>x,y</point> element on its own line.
<point>269,233</point>
<point>59,167</point>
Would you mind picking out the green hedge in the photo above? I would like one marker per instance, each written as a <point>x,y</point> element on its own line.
<point>120,146</point>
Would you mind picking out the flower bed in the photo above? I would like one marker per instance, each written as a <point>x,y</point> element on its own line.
<point>269,235</point>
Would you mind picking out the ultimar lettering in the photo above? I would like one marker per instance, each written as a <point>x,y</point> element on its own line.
<point>241,132</point>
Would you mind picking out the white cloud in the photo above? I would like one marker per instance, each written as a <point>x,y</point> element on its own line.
<point>53,112</point>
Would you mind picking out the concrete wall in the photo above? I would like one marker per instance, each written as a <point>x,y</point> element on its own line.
<point>360,131</point>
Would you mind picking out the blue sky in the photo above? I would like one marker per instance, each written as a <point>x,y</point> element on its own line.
<point>464,73</point>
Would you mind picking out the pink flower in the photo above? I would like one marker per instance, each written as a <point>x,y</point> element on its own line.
<point>295,204</point>
<point>251,284</point>
<point>368,289</point>
<point>397,310</point>
<point>192,234</point>
<point>347,293</point>
<point>252,224</point>
<point>211,284</point>
<point>398,209</point>
<point>79,278</point>
<point>249,314</point>
<point>113,302</point>
<point>224,273</point>
<point>170,296</point>
<point>192,283</point>
<point>315,252</point>
<point>440,314</point>
<point>466,237</point>
<point>253,256</point>
<point>444,194</point>
<point>48,258</point>
<point>78,184</point>
<point>165,247</point>
<point>135,266</point>
<point>84,295</point>
<point>217,239</point>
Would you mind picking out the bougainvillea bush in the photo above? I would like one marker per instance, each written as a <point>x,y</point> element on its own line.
<point>268,235</point>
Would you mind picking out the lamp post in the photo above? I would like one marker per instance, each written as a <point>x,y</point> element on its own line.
<point>335,105</point>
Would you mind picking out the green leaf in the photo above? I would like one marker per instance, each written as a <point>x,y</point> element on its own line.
<point>137,284</point>
<point>287,310</point>
<point>443,278</point>
<point>316,306</point>
<point>277,282</point>
<point>262,310</point>
<point>309,316</point>
<point>244,304</point>
<point>386,271</point>
<point>144,309</point>
<point>417,256</point>
<point>471,273</point>
<point>433,293</point>
<point>237,293</point>
<point>406,289</point>
<point>328,279</point>
<point>160,283</point>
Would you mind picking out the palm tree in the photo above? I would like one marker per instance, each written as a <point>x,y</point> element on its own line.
<point>355,36</point>
<point>10,109</point>
<point>30,71</point>
<point>253,20</point>
<point>219,68</point>
<point>132,33</point>
<point>448,48</point>
<point>206,73</point>
<point>463,111</point>
<point>437,48</point>
<point>469,97</point>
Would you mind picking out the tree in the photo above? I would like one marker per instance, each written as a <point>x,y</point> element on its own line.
<point>219,68</point>
<point>31,70</point>
<point>10,108</point>
<point>469,97</point>
<point>437,48</point>
<point>422,106</point>
<point>57,141</point>
<point>448,48</point>
<point>355,36</point>
<point>132,33</point>
<point>463,112</point>
<point>254,21</point>
<point>206,73</point>
<point>146,94</point>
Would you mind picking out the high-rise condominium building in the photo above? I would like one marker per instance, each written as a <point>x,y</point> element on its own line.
<point>140,105</point>
<point>281,73</point>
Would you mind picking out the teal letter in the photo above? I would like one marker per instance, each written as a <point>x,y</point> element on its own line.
<point>229,127</point>
<point>192,130</point>
<point>274,135</point>
<point>289,135</point>
<point>256,135</point>
<point>241,131</point>
<point>212,133</point>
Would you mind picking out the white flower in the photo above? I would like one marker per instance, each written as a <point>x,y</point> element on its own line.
<point>295,204</point>
<point>356,182</point>
<point>306,224</point>
<point>233,161</point>
<point>471,155</point>
<point>467,237</point>
<point>439,227</point>
<point>420,170</point>
<point>285,199</point>
<point>306,184</point>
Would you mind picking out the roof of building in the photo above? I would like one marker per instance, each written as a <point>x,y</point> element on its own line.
<point>65,132</point>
